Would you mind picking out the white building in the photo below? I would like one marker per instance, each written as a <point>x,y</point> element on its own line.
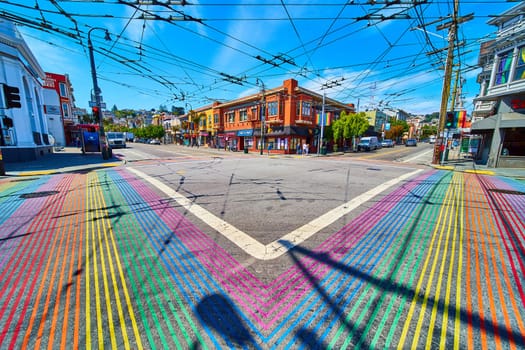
<point>54,117</point>
<point>500,107</point>
<point>24,130</point>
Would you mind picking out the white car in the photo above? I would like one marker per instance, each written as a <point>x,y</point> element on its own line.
<point>154,142</point>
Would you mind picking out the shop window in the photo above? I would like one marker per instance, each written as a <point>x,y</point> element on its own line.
<point>520,65</point>
<point>503,68</point>
<point>514,143</point>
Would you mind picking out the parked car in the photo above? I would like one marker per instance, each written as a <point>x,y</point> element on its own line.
<point>154,142</point>
<point>411,143</point>
<point>368,144</point>
<point>387,143</point>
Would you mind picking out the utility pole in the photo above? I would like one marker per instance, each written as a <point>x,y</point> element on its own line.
<point>452,36</point>
<point>320,144</point>
<point>263,109</point>
<point>104,147</point>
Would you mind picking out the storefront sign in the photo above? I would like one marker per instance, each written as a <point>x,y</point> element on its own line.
<point>248,132</point>
<point>517,104</point>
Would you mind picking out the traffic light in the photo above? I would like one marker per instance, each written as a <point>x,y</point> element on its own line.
<point>95,111</point>
<point>450,121</point>
<point>11,96</point>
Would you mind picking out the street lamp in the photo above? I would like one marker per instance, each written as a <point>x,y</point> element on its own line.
<point>106,151</point>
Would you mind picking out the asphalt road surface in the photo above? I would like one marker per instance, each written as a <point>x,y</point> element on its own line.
<point>191,249</point>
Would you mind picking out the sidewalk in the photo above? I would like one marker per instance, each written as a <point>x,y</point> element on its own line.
<point>458,162</point>
<point>70,159</point>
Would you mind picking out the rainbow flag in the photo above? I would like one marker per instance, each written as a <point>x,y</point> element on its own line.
<point>327,119</point>
<point>461,119</point>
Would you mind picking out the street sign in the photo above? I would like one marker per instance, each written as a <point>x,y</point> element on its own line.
<point>94,104</point>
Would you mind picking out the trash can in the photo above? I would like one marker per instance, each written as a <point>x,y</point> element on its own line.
<point>323,150</point>
<point>245,150</point>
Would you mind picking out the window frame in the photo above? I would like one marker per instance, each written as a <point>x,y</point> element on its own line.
<point>503,68</point>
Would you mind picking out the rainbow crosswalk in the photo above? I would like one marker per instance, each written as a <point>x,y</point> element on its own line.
<point>101,260</point>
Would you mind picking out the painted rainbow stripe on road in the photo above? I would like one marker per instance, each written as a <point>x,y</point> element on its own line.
<point>100,260</point>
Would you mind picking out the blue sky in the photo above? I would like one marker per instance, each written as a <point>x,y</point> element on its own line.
<point>370,53</point>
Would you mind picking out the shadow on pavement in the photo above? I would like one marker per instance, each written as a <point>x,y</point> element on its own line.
<point>217,312</point>
<point>68,160</point>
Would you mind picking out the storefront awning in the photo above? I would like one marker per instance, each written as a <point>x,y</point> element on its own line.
<point>508,120</point>
<point>485,124</point>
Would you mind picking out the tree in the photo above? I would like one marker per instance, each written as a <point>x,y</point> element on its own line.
<point>177,110</point>
<point>429,117</point>
<point>397,128</point>
<point>348,126</point>
<point>428,130</point>
<point>149,132</point>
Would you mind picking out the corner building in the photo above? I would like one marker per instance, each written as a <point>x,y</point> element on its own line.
<point>280,120</point>
<point>500,107</point>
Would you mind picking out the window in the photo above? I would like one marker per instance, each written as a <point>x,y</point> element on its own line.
<point>216,118</point>
<point>230,117</point>
<point>63,89</point>
<point>503,68</point>
<point>298,108</point>
<point>307,109</point>
<point>254,112</point>
<point>243,115</point>
<point>65,110</point>
<point>520,65</point>
<point>272,108</point>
